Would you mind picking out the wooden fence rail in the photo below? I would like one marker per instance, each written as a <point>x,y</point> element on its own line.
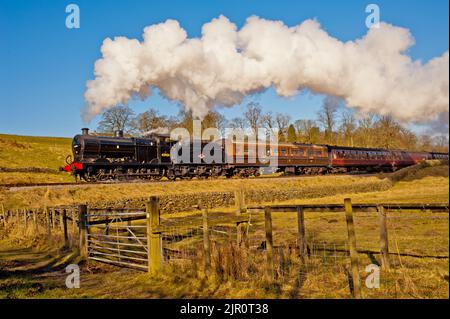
<point>147,251</point>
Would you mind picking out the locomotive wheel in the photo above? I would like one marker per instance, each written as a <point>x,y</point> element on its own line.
<point>171,175</point>
<point>90,178</point>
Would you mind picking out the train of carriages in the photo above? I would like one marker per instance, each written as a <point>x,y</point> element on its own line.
<point>102,158</point>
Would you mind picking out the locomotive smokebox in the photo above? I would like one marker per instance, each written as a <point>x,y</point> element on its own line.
<point>118,133</point>
<point>85,131</point>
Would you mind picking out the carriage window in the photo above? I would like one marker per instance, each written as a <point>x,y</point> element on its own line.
<point>283,151</point>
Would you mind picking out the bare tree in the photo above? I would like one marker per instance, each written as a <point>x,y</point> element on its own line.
<point>348,126</point>
<point>116,118</point>
<point>185,119</point>
<point>253,115</point>
<point>150,120</point>
<point>298,129</point>
<point>214,119</point>
<point>238,123</point>
<point>327,116</point>
<point>283,121</point>
<point>387,132</point>
<point>425,142</point>
<point>308,131</point>
<point>365,132</point>
<point>268,121</point>
<point>440,143</point>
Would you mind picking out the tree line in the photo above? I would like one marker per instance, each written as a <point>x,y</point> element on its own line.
<point>333,125</point>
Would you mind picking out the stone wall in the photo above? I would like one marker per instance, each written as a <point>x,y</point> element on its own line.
<point>186,201</point>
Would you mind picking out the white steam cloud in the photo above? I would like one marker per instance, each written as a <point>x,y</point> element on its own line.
<point>372,74</point>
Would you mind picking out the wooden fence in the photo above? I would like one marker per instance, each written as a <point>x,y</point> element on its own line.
<point>62,220</point>
<point>134,237</point>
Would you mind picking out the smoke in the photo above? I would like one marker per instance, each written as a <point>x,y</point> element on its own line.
<point>373,74</point>
<point>439,125</point>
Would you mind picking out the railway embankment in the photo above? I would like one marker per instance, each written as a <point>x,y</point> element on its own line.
<point>186,201</point>
<point>183,195</point>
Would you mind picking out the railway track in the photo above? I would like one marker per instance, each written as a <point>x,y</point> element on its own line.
<point>18,186</point>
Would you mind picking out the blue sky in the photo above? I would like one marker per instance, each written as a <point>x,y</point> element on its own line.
<point>44,66</point>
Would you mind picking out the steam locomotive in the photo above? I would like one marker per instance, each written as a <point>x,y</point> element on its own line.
<point>101,158</point>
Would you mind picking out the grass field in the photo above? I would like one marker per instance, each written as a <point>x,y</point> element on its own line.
<point>95,194</point>
<point>419,249</point>
<point>32,267</point>
<point>30,151</point>
<point>19,152</point>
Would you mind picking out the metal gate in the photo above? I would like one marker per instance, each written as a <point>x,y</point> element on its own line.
<point>118,237</point>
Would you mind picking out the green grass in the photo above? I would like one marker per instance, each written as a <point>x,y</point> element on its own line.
<point>19,152</point>
<point>30,151</point>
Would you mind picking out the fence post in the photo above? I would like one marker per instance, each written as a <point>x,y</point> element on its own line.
<point>34,218</point>
<point>352,246</point>
<point>4,216</point>
<point>82,226</point>
<point>53,218</point>
<point>241,208</point>
<point>74,226</point>
<point>301,234</point>
<point>62,213</point>
<point>25,218</point>
<point>384,243</point>
<point>49,225</point>
<point>269,240</point>
<point>154,244</point>
<point>206,243</point>
<point>64,222</point>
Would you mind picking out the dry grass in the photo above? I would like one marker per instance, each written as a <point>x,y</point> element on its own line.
<point>36,197</point>
<point>34,178</point>
<point>19,152</point>
<point>418,244</point>
<point>32,151</point>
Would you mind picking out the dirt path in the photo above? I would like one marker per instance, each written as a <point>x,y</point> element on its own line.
<point>28,273</point>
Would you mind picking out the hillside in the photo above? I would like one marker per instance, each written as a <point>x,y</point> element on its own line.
<point>33,159</point>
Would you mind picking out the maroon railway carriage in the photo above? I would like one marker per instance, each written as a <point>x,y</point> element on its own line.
<point>293,158</point>
<point>373,159</point>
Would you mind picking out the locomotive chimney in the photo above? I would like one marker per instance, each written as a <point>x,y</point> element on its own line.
<point>119,133</point>
<point>85,131</point>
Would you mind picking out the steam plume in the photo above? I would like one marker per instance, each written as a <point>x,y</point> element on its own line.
<point>372,74</point>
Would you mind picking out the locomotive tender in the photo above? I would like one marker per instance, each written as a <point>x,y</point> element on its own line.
<point>100,158</point>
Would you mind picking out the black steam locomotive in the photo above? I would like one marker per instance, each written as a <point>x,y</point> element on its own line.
<point>101,158</point>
